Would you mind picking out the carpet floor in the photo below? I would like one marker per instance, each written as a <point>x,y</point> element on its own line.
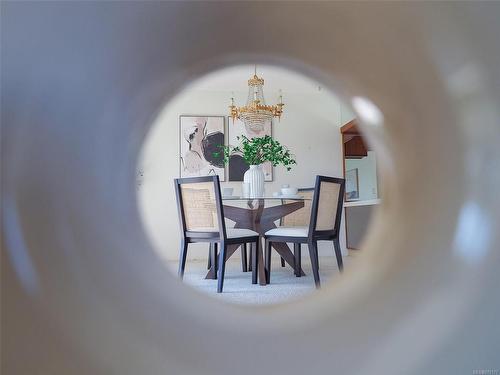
<point>238,287</point>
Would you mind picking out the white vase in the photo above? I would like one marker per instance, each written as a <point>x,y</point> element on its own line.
<point>255,178</point>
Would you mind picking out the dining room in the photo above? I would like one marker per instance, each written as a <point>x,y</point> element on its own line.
<point>90,287</point>
<point>266,174</point>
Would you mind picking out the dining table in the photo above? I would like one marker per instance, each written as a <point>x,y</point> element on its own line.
<point>260,214</point>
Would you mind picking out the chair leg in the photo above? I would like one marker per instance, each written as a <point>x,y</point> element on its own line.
<point>298,258</point>
<point>317,254</point>
<point>213,257</point>
<point>267,261</point>
<point>209,263</point>
<point>250,260</point>
<point>182,258</point>
<point>244,267</point>
<point>338,254</point>
<point>282,262</point>
<point>222,267</point>
<point>313,253</point>
<point>255,259</point>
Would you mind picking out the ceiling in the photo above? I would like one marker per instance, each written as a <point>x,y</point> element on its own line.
<point>275,78</point>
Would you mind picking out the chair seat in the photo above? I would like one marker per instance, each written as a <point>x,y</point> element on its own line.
<point>240,233</point>
<point>288,232</point>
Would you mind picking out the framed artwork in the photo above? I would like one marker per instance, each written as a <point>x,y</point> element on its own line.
<point>199,138</point>
<point>351,185</point>
<point>238,166</point>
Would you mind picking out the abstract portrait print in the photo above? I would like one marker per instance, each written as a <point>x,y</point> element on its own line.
<point>237,165</point>
<point>351,185</point>
<point>200,138</point>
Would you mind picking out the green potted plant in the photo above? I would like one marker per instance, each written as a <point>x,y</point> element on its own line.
<point>256,151</point>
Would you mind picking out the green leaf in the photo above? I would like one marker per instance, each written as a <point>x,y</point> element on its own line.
<point>259,150</point>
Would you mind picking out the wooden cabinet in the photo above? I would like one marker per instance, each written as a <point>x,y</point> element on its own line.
<point>357,219</point>
<point>354,146</point>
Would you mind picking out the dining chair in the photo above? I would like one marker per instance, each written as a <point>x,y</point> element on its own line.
<point>324,225</point>
<point>299,218</point>
<point>201,217</point>
<point>244,266</point>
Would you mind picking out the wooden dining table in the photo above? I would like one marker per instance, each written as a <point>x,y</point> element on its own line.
<point>260,218</point>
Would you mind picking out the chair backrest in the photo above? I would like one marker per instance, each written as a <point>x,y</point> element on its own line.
<point>302,216</point>
<point>199,205</point>
<point>328,200</point>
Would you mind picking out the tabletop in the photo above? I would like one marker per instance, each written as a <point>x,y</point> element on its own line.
<point>278,198</point>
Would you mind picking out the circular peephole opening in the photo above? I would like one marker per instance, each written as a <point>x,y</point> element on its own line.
<point>235,123</point>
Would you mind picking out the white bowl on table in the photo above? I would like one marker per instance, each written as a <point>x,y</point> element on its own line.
<point>287,192</point>
<point>227,192</point>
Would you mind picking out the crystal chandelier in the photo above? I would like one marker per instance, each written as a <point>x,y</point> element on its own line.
<point>256,113</point>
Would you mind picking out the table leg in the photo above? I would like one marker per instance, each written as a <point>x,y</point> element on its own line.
<point>285,252</point>
<point>212,273</point>
<point>260,219</point>
<point>262,271</point>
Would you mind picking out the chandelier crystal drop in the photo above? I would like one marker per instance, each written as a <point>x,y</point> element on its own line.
<point>256,113</point>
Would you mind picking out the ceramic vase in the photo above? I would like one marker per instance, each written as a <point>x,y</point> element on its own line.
<point>255,178</point>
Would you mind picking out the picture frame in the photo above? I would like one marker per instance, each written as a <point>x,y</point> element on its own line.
<point>199,138</point>
<point>237,166</point>
<point>352,185</point>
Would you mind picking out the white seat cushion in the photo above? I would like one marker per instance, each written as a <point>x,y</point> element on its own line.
<point>239,232</point>
<point>204,229</point>
<point>289,232</point>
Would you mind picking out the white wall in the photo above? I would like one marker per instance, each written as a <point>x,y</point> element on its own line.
<point>309,127</point>
<point>346,114</point>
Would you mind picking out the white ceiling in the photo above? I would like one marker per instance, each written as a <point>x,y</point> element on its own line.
<point>275,78</point>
